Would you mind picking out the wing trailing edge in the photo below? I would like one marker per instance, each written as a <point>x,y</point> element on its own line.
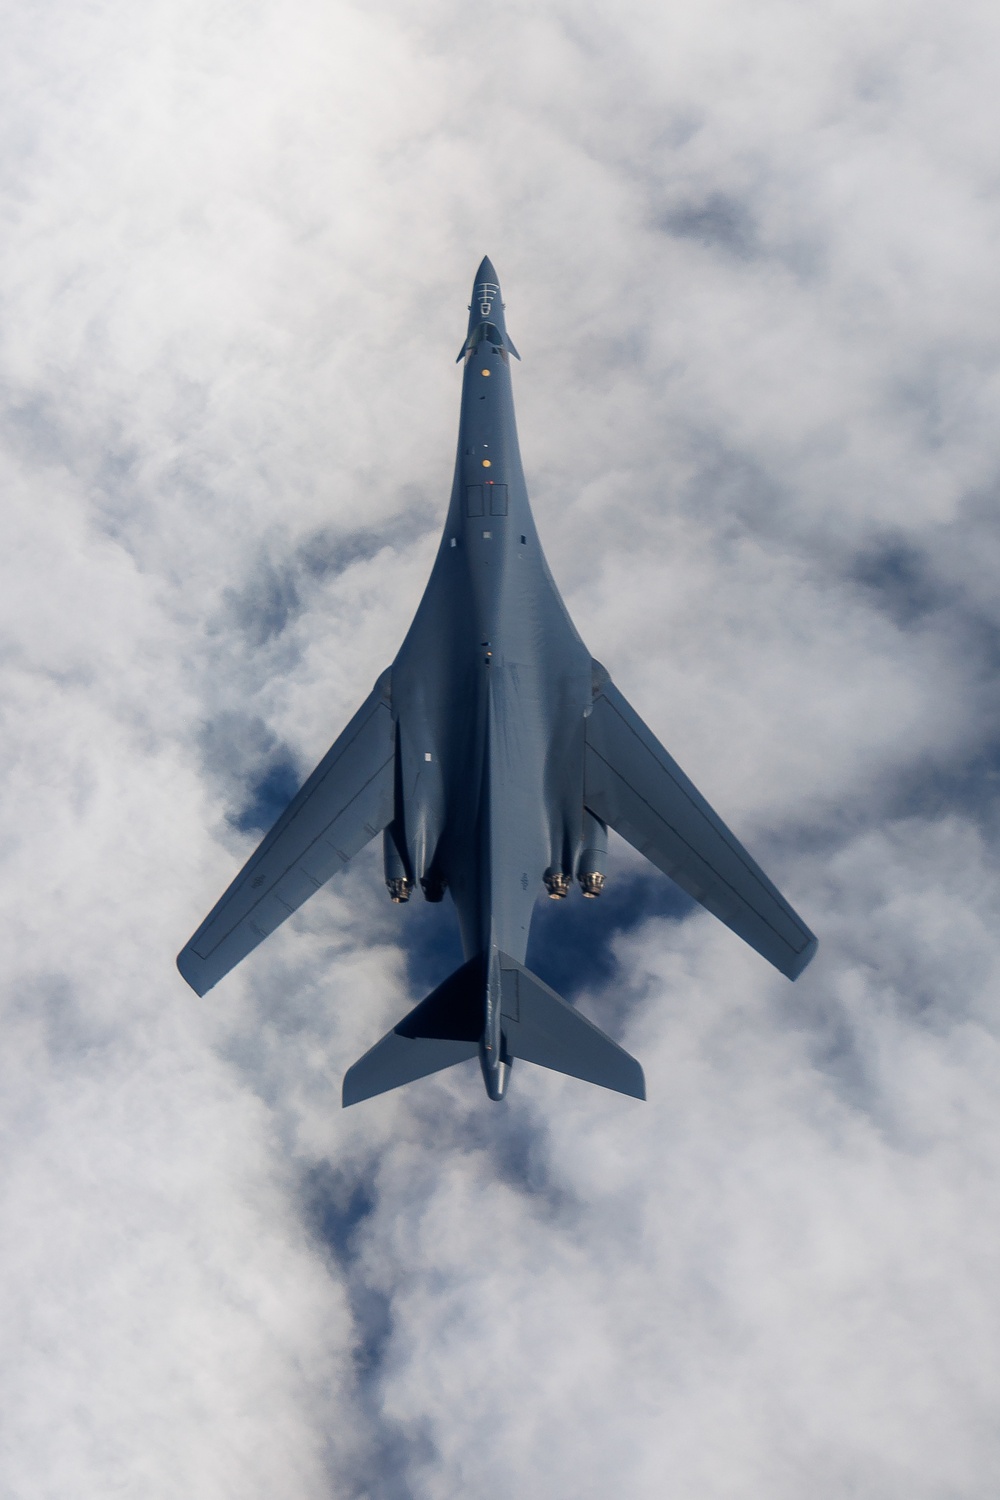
<point>632,784</point>
<point>346,801</point>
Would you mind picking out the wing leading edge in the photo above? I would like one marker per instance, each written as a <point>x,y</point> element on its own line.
<point>631,783</point>
<point>346,801</point>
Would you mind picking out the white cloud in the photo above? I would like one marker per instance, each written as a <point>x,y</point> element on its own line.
<point>749,257</point>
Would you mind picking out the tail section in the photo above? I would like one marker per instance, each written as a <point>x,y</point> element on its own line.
<point>536,1025</point>
<point>541,1028</point>
<point>442,1030</point>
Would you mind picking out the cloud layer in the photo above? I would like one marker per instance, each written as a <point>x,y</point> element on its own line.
<point>749,258</point>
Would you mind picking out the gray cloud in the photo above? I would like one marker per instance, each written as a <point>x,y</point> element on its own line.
<point>718,221</point>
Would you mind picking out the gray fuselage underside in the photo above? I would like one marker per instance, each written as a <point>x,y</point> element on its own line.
<point>490,689</point>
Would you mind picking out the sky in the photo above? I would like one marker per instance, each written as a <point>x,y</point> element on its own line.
<point>748,250</point>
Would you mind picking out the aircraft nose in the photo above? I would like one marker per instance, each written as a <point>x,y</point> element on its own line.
<point>486,291</point>
<point>487,271</point>
<point>486,307</point>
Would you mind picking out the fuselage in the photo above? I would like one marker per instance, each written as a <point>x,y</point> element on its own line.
<point>489,692</point>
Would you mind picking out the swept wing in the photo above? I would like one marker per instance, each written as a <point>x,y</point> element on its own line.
<point>346,801</point>
<point>633,785</point>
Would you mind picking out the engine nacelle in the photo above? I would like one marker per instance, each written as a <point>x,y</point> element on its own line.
<point>398,881</point>
<point>592,864</point>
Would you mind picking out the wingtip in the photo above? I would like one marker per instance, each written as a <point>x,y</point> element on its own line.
<point>186,961</point>
<point>635,1088</point>
<point>804,959</point>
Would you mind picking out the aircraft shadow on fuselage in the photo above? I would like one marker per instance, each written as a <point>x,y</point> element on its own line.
<point>571,945</point>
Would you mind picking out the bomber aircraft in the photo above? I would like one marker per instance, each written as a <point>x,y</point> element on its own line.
<point>493,756</point>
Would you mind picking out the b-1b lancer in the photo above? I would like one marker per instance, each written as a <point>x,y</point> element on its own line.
<point>493,756</point>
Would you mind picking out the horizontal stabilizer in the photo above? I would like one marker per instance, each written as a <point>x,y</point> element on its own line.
<point>540,1027</point>
<point>442,1030</point>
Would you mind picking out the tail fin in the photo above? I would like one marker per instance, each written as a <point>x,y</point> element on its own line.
<point>442,1030</point>
<point>537,1026</point>
<point>541,1028</point>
